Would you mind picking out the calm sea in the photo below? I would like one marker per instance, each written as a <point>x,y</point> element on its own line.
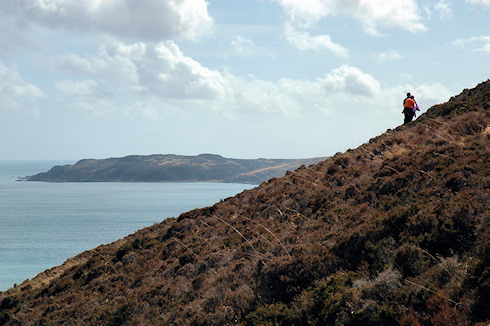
<point>43,224</point>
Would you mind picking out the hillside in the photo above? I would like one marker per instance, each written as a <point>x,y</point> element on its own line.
<point>174,168</point>
<point>395,232</point>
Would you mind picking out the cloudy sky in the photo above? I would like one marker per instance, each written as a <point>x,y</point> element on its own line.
<point>239,78</point>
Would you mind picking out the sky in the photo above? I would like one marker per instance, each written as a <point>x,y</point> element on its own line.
<point>238,78</point>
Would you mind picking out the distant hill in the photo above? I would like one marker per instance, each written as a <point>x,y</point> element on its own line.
<point>395,232</point>
<point>175,168</point>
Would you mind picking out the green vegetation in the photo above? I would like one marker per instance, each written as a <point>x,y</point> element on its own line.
<point>395,232</point>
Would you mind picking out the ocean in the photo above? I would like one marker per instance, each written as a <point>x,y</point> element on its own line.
<point>43,224</point>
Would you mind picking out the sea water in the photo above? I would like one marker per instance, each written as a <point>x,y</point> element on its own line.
<point>42,224</point>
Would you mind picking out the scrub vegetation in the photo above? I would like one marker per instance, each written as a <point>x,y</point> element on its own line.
<point>395,232</point>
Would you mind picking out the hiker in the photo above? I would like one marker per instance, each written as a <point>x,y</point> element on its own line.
<point>416,107</point>
<point>408,108</point>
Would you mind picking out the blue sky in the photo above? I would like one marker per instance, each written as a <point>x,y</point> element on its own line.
<point>243,79</point>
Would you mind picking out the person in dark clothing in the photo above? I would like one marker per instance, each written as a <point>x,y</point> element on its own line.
<point>408,108</point>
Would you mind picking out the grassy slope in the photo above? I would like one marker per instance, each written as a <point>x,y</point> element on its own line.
<point>393,232</point>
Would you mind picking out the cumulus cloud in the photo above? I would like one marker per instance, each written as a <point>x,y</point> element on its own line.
<point>350,80</point>
<point>162,71</point>
<point>372,14</point>
<point>303,41</point>
<point>15,92</point>
<point>376,14</point>
<point>154,20</point>
<point>344,87</point>
<point>156,69</point>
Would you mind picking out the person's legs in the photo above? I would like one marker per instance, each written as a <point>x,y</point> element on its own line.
<point>408,115</point>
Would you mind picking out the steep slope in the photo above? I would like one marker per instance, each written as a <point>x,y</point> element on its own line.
<point>395,232</point>
<point>172,168</point>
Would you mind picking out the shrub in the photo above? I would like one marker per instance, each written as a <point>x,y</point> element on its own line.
<point>411,261</point>
<point>444,313</point>
<point>409,319</point>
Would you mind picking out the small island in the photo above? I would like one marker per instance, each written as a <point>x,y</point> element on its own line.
<point>173,168</point>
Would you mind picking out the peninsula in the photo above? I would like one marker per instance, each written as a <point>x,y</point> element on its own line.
<point>173,168</point>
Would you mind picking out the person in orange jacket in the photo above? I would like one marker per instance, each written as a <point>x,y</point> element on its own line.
<point>409,107</point>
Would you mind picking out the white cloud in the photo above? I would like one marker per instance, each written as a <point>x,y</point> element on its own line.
<point>431,94</point>
<point>486,45</point>
<point>308,12</point>
<point>159,70</point>
<point>148,72</point>
<point>86,95</point>
<point>388,56</point>
<point>373,14</point>
<point>14,38</point>
<point>343,88</point>
<point>154,20</point>
<point>479,43</point>
<point>388,102</point>
<point>115,64</point>
<point>303,41</point>
<point>244,47</point>
<point>351,80</point>
<point>253,95</point>
<point>84,88</point>
<point>15,93</point>
<point>482,3</point>
<point>90,96</point>
<point>443,8</point>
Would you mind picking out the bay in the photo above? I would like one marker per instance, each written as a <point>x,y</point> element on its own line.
<point>43,224</point>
